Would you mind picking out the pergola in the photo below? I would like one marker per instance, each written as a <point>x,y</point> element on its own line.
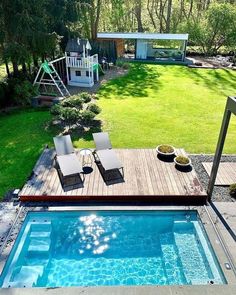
<point>229,109</point>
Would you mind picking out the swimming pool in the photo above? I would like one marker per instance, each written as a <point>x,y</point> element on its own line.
<point>84,248</point>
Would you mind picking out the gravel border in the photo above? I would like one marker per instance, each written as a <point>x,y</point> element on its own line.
<point>220,193</point>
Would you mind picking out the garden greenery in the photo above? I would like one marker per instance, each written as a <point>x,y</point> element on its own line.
<point>76,111</point>
<point>182,160</point>
<point>232,190</point>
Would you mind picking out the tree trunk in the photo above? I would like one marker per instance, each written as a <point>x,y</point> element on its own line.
<point>168,17</point>
<point>7,69</point>
<point>95,16</point>
<point>138,14</point>
<point>24,70</point>
<point>35,60</point>
<point>15,69</point>
<point>150,8</point>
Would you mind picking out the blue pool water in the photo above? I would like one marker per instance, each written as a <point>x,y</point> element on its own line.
<point>84,248</point>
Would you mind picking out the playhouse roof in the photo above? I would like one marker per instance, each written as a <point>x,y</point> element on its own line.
<point>147,36</point>
<point>74,46</point>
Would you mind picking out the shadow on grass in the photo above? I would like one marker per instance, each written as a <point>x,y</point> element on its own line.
<point>218,80</point>
<point>134,84</point>
<point>87,134</point>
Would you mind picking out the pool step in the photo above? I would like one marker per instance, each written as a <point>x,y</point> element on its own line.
<point>27,276</point>
<point>171,261</point>
<point>39,244</point>
<point>183,226</point>
<point>43,225</point>
<point>190,255</point>
<point>40,234</point>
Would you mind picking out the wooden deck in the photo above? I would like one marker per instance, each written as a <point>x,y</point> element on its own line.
<point>146,178</point>
<point>226,174</point>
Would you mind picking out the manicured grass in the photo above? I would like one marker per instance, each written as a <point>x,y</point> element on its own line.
<point>157,104</point>
<point>151,105</point>
<point>23,136</point>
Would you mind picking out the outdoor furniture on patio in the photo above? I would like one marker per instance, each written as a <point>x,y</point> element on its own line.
<point>105,154</point>
<point>86,156</point>
<point>66,159</point>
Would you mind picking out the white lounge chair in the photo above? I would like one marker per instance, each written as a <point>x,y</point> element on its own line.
<point>105,154</point>
<point>66,159</point>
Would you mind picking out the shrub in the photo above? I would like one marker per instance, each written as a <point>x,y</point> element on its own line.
<point>21,91</point>
<point>166,149</point>
<point>70,116</point>
<point>56,109</point>
<point>94,96</point>
<point>232,190</point>
<point>3,95</point>
<point>87,117</point>
<point>122,64</point>
<point>126,65</point>
<point>74,101</point>
<point>86,97</point>
<point>74,112</point>
<point>94,108</point>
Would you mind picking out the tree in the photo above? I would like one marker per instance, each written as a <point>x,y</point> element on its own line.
<point>25,32</point>
<point>138,14</point>
<point>216,29</point>
<point>89,14</point>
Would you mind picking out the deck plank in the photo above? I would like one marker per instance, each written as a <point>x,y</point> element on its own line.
<point>226,174</point>
<point>145,175</point>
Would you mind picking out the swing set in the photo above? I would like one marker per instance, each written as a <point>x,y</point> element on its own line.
<point>51,78</point>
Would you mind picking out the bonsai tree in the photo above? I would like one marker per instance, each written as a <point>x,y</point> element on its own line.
<point>76,111</point>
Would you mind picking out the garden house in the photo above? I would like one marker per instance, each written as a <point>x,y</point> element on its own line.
<point>150,46</point>
<point>81,67</point>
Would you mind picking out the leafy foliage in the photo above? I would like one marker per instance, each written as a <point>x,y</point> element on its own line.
<point>3,95</point>
<point>16,91</point>
<point>75,111</point>
<point>182,160</point>
<point>122,64</point>
<point>85,96</point>
<point>166,149</point>
<point>94,108</point>
<point>74,101</point>
<point>215,29</point>
<point>23,91</point>
<point>232,190</point>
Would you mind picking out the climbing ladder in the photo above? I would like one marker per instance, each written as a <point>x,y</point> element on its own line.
<point>55,79</point>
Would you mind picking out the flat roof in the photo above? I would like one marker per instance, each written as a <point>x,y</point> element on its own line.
<point>147,36</point>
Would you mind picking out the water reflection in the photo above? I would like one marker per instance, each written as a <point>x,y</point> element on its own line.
<point>93,236</point>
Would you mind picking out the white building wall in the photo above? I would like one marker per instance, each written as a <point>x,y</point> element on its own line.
<point>141,49</point>
<point>82,80</point>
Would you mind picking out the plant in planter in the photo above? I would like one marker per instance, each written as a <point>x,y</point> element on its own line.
<point>232,190</point>
<point>182,161</point>
<point>165,150</point>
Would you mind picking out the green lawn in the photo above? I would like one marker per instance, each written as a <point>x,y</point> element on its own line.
<point>23,137</point>
<point>151,105</point>
<point>156,104</point>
